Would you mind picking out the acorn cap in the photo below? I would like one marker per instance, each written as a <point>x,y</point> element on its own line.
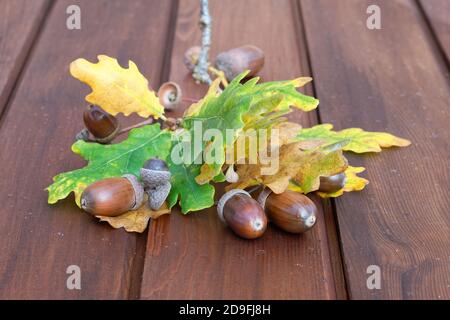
<point>155,172</point>
<point>158,194</point>
<point>170,95</point>
<point>262,198</point>
<point>138,190</point>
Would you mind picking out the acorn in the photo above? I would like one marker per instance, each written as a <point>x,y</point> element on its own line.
<point>191,57</point>
<point>156,178</point>
<point>237,60</point>
<point>113,196</point>
<point>291,211</point>
<point>333,183</point>
<point>102,125</point>
<point>242,214</point>
<point>170,95</point>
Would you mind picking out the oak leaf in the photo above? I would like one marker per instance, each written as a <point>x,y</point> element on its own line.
<point>303,167</point>
<point>185,189</point>
<point>136,220</point>
<point>116,89</point>
<point>359,141</point>
<point>244,106</point>
<point>106,161</point>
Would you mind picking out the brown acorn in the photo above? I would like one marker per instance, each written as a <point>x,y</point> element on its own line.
<point>242,214</point>
<point>102,125</point>
<point>170,95</point>
<point>113,196</point>
<point>290,211</point>
<point>237,60</point>
<point>333,183</point>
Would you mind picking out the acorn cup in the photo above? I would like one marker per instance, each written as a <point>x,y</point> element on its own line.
<point>170,95</point>
<point>156,178</point>
<point>242,214</point>
<point>102,125</point>
<point>238,60</point>
<point>291,211</point>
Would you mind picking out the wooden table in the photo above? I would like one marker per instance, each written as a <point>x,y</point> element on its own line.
<point>395,79</point>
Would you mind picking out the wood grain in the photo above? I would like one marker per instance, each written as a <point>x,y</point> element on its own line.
<point>195,256</point>
<point>20,21</point>
<point>40,241</point>
<point>437,13</point>
<point>388,80</point>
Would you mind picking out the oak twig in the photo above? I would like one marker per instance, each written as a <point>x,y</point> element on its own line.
<point>201,69</point>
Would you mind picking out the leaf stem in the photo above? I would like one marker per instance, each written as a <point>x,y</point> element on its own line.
<point>137,125</point>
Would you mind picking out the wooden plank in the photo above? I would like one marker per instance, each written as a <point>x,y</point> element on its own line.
<point>195,256</point>
<point>388,80</point>
<point>40,241</point>
<point>437,13</point>
<point>20,21</point>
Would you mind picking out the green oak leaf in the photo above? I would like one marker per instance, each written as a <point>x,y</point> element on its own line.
<point>244,106</point>
<point>106,161</point>
<point>192,196</point>
<point>358,140</point>
<point>285,91</point>
<point>220,113</point>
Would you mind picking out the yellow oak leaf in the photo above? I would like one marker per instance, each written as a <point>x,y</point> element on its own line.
<point>303,167</point>
<point>358,140</point>
<point>213,92</point>
<point>136,220</point>
<point>352,183</point>
<point>116,89</point>
<point>286,132</point>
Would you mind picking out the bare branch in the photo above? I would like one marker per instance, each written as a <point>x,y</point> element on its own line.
<point>201,69</point>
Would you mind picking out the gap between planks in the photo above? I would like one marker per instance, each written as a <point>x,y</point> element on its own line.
<point>434,36</point>
<point>329,207</point>
<point>139,260</point>
<point>39,26</point>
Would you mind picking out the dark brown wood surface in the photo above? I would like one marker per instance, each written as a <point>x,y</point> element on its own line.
<point>437,13</point>
<point>392,80</point>
<point>20,21</point>
<point>40,241</point>
<point>195,256</point>
<point>395,79</point>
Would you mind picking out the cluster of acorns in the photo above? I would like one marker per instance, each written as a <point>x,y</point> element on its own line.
<point>291,211</point>
<point>248,218</point>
